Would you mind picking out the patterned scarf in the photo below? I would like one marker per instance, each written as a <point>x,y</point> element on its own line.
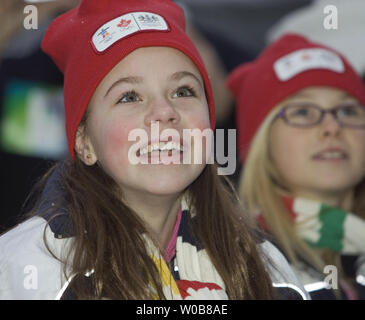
<point>193,275</point>
<point>323,226</point>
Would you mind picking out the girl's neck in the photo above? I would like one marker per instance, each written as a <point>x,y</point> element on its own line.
<point>159,213</point>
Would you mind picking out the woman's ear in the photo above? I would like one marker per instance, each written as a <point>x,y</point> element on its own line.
<point>84,148</point>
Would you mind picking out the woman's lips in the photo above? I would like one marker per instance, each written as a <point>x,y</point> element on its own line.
<point>331,154</point>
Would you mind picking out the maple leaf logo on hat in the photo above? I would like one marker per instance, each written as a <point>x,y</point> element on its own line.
<point>124,23</point>
<point>306,57</point>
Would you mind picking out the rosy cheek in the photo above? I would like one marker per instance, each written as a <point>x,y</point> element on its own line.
<point>201,125</point>
<point>199,121</point>
<point>116,142</point>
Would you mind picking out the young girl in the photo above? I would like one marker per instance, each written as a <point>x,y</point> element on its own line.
<point>109,227</point>
<point>301,120</point>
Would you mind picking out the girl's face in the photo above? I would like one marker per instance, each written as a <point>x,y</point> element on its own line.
<point>320,160</point>
<point>150,86</point>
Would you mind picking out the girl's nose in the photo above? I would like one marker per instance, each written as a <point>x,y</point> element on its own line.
<point>162,110</point>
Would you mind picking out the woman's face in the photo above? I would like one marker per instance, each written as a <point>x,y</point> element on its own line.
<point>323,159</point>
<point>151,86</point>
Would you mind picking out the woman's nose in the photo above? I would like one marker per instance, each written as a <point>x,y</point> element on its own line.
<point>330,125</point>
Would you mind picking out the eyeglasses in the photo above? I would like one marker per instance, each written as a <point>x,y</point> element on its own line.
<point>306,115</point>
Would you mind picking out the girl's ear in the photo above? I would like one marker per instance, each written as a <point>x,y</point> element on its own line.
<point>84,148</point>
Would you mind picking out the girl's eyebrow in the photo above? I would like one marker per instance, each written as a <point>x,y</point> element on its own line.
<point>182,74</point>
<point>133,80</point>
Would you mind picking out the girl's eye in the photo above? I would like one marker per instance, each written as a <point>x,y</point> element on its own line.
<point>128,97</point>
<point>183,92</point>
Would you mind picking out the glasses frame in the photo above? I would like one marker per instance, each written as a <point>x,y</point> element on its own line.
<point>282,114</point>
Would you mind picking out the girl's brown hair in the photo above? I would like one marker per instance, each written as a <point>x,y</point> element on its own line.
<point>108,237</point>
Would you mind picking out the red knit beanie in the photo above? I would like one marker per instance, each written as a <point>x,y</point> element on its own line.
<point>88,41</point>
<point>286,66</point>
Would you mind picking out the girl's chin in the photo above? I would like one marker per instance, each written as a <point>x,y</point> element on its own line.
<point>165,184</point>
<point>161,179</point>
<point>163,192</point>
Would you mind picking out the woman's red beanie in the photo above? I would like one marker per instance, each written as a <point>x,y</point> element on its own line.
<point>286,66</point>
<point>88,41</point>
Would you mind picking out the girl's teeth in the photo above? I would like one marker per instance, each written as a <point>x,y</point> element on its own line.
<point>144,151</point>
<point>162,146</point>
<point>166,146</point>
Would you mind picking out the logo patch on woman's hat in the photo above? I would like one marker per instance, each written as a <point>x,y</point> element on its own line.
<point>307,59</point>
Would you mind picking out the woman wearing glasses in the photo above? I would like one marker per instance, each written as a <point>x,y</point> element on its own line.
<point>301,123</point>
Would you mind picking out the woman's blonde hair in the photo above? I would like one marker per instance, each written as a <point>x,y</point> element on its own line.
<point>261,188</point>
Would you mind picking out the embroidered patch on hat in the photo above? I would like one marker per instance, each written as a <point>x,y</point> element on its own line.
<point>125,25</point>
<point>307,59</point>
